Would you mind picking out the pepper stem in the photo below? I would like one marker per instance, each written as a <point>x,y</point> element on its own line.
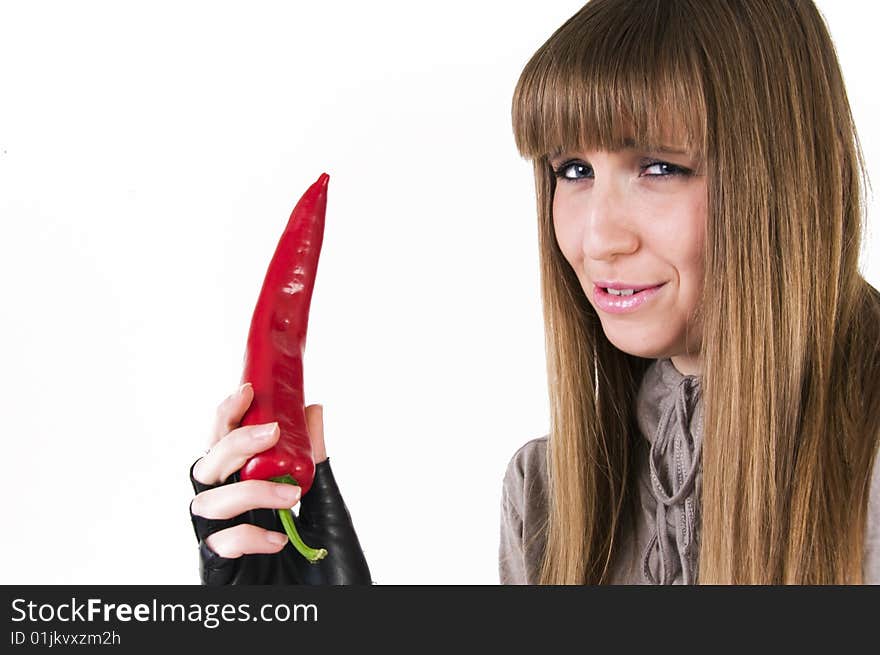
<point>311,554</point>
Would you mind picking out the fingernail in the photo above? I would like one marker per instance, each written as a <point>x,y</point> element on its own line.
<point>276,538</point>
<point>235,395</point>
<point>265,432</point>
<point>288,492</point>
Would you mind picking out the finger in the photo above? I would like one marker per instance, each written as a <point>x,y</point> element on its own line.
<point>230,453</point>
<point>245,539</point>
<point>233,499</point>
<point>230,412</point>
<point>315,425</point>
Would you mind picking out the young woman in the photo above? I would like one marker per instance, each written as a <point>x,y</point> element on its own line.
<point>720,424</point>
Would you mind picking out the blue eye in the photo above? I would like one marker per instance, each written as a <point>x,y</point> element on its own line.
<point>675,170</point>
<point>570,169</point>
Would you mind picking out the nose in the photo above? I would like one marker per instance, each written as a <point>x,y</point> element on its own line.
<point>610,229</point>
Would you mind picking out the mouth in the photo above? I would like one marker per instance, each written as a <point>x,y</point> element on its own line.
<point>623,288</point>
<point>614,301</point>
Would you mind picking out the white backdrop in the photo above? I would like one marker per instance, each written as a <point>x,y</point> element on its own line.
<point>150,154</point>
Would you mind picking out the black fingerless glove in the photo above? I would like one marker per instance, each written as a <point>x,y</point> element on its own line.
<point>323,522</point>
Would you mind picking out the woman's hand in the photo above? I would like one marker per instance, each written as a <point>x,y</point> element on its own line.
<point>230,448</point>
<point>241,539</point>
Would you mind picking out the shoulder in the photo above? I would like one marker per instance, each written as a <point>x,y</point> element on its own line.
<point>528,455</point>
<point>529,461</point>
<point>525,480</point>
<point>871,568</point>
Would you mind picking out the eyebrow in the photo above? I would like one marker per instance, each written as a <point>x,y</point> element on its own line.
<point>630,144</point>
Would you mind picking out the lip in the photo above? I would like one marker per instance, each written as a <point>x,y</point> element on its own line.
<point>623,304</point>
<point>608,284</point>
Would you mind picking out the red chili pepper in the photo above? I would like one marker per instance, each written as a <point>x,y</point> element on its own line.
<point>273,361</point>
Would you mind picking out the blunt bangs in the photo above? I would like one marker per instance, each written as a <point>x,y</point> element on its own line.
<point>603,84</point>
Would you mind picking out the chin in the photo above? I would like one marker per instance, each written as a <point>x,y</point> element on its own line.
<point>640,342</point>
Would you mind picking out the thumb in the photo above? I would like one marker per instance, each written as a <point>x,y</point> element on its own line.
<point>315,425</point>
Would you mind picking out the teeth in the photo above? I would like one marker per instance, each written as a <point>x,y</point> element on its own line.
<point>622,292</point>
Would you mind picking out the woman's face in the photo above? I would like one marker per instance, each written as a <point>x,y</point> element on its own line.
<point>637,218</point>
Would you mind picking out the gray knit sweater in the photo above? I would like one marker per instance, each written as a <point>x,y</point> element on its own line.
<point>663,544</point>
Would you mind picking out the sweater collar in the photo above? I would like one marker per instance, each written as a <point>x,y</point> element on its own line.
<point>658,391</point>
<point>669,413</point>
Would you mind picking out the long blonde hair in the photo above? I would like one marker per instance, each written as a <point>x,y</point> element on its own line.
<point>791,329</point>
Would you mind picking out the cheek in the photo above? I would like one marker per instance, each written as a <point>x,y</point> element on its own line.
<point>567,230</point>
<point>696,230</point>
<point>690,259</point>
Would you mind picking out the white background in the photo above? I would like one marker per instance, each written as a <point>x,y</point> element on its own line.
<point>150,154</point>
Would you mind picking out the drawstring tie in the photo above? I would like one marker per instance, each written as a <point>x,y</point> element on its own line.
<point>678,497</point>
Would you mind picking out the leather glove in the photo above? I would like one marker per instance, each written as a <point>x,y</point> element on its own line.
<point>323,522</point>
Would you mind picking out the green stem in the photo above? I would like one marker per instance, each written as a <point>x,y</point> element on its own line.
<point>311,554</point>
